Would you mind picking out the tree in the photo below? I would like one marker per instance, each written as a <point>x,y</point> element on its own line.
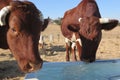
<point>58,21</point>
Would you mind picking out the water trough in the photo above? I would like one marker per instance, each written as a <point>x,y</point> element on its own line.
<point>99,70</point>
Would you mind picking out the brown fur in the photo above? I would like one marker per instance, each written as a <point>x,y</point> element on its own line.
<point>89,29</point>
<point>21,34</point>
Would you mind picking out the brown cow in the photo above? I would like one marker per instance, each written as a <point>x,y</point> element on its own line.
<point>20,26</point>
<point>84,23</point>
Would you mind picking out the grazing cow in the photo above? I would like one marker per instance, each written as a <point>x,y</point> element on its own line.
<point>20,26</point>
<point>82,26</point>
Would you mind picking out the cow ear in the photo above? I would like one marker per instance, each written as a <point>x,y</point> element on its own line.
<point>45,23</point>
<point>110,24</point>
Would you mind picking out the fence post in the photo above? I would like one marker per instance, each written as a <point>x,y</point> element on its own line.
<point>51,38</point>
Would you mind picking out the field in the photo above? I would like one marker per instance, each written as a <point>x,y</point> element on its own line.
<point>54,51</point>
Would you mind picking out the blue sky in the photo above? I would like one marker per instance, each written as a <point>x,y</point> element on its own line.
<point>56,8</point>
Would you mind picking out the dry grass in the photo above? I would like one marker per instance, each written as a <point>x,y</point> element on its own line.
<point>109,48</point>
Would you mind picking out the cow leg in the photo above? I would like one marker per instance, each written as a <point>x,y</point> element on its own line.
<point>74,51</point>
<point>79,48</point>
<point>68,49</point>
<point>67,52</point>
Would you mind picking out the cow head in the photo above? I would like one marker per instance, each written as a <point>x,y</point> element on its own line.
<point>89,30</point>
<point>24,22</point>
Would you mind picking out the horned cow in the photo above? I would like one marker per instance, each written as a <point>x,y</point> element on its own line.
<point>82,26</point>
<point>20,26</point>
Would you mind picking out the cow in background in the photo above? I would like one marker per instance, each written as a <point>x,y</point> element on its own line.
<point>20,26</point>
<point>82,26</point>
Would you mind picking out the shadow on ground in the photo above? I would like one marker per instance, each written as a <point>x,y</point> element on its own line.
<point>9,69</point>
<point>52,50</point>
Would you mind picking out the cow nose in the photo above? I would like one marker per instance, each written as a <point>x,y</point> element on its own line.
<point>88,60</point>
<point>34,67</point>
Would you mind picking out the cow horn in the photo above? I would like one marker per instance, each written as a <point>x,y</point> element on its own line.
<point>3,13</point>
<point>79,19</point>
<point>104,20</point>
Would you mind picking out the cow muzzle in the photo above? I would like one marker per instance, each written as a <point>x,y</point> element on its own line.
<point>88,60</point>
<point>34,67</point>
<point>31,67</point>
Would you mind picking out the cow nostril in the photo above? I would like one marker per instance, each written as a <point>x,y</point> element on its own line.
<point>28,66</point>
<point>33,67</point>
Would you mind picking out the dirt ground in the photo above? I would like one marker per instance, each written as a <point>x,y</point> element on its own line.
<point>54,51</point>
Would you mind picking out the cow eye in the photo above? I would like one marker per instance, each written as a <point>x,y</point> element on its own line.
<point>14,32</point>
<point>13,29</point>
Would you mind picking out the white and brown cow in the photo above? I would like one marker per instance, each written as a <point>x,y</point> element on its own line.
<point>20,26</point>
<point>82,26</point>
